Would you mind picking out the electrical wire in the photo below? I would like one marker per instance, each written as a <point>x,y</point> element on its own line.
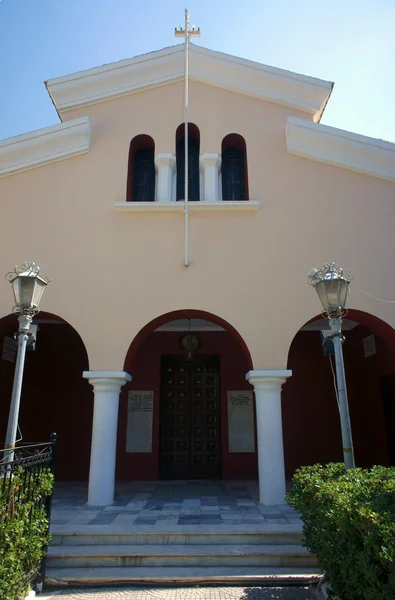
<point>334,381</point>
<point>20,433</point>
<point>370,295</point>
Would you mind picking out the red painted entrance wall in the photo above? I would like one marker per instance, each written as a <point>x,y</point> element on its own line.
<point>55,397</point>
<point>145,371</point>
<point>311,422</point>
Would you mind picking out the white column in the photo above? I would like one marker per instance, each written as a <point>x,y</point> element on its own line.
<point>267,386</point>
<point>209,166</point>
<point>106,387</point>
<point>165,165</point>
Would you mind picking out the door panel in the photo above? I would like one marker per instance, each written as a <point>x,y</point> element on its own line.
<point>189,419</point>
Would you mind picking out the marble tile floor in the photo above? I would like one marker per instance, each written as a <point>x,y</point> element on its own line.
<point>169,503</point>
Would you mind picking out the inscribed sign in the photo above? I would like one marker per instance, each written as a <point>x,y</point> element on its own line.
<point>139,423</point>
<point>241,421</point>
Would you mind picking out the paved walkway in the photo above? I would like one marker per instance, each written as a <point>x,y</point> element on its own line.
<point>184,593</point>
<point>170,503</point>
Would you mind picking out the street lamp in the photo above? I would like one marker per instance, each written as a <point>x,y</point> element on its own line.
<point>331,285</point>
<point>28,288</point>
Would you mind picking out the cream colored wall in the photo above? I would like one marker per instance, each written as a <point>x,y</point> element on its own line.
<point>113,272</point>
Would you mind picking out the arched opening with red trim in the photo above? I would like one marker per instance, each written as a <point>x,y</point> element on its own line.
<point>189,388</point>
<point>55,397</point>
<point>311,421</point>
<point>193,162</point>
<point>141,170</point>
<point>234,169</point>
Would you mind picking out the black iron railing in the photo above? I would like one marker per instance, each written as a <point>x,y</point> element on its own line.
<point>29,461</point>
<point>25,464</point>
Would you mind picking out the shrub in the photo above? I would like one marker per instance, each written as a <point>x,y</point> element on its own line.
<point>349,524</point>
<point>23,532</point>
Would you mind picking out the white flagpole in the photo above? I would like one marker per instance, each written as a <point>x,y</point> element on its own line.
<point>186,33</point>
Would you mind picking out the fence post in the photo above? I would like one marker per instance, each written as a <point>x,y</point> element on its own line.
<point>53,438</point>
<point>48,508</point>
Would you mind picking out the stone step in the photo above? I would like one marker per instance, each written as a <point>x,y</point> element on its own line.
<point>115,535</point>
<point>169,555</point>
<point>269,576</point>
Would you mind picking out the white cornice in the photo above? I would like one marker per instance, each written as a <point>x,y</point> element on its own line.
<point>165,66</point>
<point>44,146</point>
<point>341,148</point>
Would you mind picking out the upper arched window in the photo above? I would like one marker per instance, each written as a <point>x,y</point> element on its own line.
<point>141,171</point>
<point>193,162</point>
<point>234,168</point>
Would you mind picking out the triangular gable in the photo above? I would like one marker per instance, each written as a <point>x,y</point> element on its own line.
<point>165,66</point>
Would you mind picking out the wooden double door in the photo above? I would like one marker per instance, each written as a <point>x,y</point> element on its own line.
<point>190,418</point>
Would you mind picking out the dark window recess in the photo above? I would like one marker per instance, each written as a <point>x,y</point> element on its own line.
<point>193,169</point>
<point>143,176</point>
<point>233,175</point>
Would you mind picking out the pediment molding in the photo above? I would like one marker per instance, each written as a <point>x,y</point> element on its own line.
<point>341,148</point>
<point>44,146</point>
<point>217,69</point>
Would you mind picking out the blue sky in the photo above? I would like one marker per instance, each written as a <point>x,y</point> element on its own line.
<point>349,42</point>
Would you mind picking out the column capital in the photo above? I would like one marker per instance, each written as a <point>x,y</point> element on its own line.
<point>268,379</point>
<point>165,160</point>
<point>107,380</point>
<point>210,159</point>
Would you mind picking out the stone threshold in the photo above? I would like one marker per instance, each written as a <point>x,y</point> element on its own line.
<point>183,575</point>
<point>83,529</point>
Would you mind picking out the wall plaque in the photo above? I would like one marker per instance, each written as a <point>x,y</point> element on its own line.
<point>10,347</point>
<point>139,423</point>
<point>241,421</point>
<point>369,345</point>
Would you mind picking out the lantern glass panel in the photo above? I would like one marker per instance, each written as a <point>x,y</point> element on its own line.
<point>28,291</point>
<point>38,292</point>
<point>16,291</point>
<point>332,292</point>
<point>23,288</point>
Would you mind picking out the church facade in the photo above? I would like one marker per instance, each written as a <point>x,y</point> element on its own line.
<point>150,369</point>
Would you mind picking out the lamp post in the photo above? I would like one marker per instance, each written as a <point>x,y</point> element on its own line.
<point>28,288</point>
<point>331,285</point>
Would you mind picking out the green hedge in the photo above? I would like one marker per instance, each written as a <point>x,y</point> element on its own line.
<point>349,524</point>
<point>23,533</point>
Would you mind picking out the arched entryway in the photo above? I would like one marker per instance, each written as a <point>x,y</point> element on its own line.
<point>311,422</point>
<point>55,397</point>
<point>187,423</point>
